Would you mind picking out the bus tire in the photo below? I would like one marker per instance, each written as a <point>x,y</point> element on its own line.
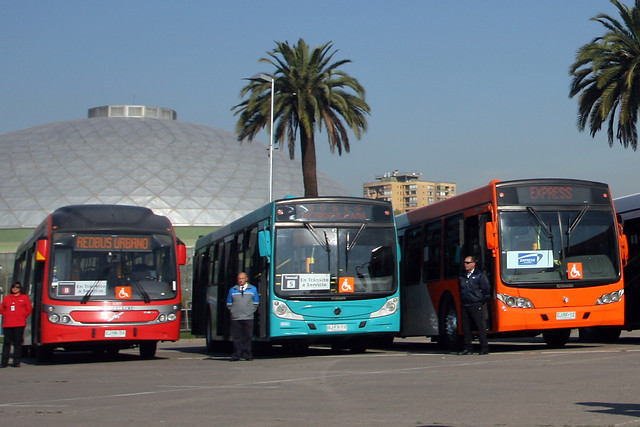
<point>358,345</point>
<point>599,334</point>
<point>43,353</point>
<point>208,333</point>
<point>449,337</point>
<point>556,338</point>
<point>296,348</point>
<point>148,349</point>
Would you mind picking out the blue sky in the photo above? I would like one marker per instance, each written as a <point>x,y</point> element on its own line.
<point>460,91</point>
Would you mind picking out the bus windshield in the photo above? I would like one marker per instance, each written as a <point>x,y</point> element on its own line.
<point>541,246</point>
<point>99,267</point>
<point>325,262</point>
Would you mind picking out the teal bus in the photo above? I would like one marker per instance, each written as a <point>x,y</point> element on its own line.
<point>326,269</point>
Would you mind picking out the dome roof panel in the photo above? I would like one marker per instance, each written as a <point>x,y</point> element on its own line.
<point>195,174</point>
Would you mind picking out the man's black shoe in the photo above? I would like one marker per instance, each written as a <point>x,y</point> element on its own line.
<point>234,359</point>
<point>248,359</point>
<point>464,352</point>
<point>4,365</point>
<point>16,365</point>
<point>484,351</point>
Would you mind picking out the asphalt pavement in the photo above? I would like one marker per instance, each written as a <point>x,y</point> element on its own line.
<point>414,383</point>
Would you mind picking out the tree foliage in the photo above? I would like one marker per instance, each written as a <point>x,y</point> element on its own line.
<point>310,91</point>
<point>607,77</point>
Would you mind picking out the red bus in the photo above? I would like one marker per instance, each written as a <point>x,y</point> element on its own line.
<point>552,249</point>
<point>103,278</point>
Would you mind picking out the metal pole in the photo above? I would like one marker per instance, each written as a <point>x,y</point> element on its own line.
<point>271,144</point>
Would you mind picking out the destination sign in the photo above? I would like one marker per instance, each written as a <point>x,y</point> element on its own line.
<point>84,242</point>
<point>346,212</point>
<point>552,194</point>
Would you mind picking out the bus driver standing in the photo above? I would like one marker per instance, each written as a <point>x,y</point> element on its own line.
<point>242,302</point>
<point>474,293</point>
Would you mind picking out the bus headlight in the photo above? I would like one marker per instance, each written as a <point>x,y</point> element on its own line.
<point>162,318</point>
<point>283,311</point>
<point>389,307</point>
<point>54,318</point>
<point>514,302</point>
<point>171,317</point>
<point>610,297</point>
<point>66,319</point>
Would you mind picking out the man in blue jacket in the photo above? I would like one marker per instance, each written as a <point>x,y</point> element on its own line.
<point>475,291</point>
<point>242,303</point>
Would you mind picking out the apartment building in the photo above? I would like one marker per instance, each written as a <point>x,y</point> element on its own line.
<point>407,191</point>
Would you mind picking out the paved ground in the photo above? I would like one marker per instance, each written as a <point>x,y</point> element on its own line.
<point>412,384</point>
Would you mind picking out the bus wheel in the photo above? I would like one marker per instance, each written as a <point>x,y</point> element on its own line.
<point>556,337</point>
<point>358,345</point>
<point>208,334</point>
<point>148,349</point>
<point>449,337</point>
<point>598,334</point>
<point>44,354</point>
<point>112,352</point>
<point>296,348</point>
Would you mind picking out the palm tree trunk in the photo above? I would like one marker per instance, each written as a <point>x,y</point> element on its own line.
<point>309,176</point>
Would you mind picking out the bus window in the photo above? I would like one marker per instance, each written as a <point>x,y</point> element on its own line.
<point>452,259</point>
<point>432,251</point>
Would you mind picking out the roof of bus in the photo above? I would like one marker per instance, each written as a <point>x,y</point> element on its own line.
<point>628,206</point>
<point>109,217</point>
<point>266,211</point>
<point>477,197</point>
<point>460,202</point>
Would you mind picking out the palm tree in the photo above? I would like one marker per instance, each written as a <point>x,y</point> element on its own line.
<point>309,90</point>
<point>606,74</point>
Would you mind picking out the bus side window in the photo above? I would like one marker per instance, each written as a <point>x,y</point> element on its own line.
<point>452,256</point>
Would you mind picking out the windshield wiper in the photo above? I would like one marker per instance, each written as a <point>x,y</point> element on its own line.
<point>86,296</point>
<point>544,227</point>
<point>136,283</point>
<point>314,233</point>
<point>325,244</point>
<point>575,222</point>
<point>351,244</point>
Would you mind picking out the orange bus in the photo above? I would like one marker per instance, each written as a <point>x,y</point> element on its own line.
<point>102,278</point>
<point>552,249</point>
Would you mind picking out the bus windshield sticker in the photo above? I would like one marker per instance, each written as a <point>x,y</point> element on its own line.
<point>306,282</point>
<point>81,287</point>
<point>530,259</point>
<point>574,270</point>
<point>347,285</point>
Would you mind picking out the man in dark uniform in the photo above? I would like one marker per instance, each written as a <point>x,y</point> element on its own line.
<point>475,291</point>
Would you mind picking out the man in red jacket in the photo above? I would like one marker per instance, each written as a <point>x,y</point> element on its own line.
<point>15,309</point>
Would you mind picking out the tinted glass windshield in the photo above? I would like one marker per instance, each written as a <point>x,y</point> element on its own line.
<point>105,267</point>
<point>541,246</point>
<point>328,262</point>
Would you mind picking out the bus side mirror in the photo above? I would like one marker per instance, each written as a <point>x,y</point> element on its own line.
<point>264,244</point>
<point>182,253</point>
<point>491,235</point>
<point>42,249</point>
<point>624,249</point>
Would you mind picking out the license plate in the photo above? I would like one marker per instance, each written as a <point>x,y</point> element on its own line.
<point>565,315</point>
<point>115,334</point>
<point>337,328</point>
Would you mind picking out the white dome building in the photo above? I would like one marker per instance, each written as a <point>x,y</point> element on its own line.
<point>198,176</point>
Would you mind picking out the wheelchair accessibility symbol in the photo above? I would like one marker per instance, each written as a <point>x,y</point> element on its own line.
<point>575,270</point>
<point>123,292</point>
<point>347,285</point>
